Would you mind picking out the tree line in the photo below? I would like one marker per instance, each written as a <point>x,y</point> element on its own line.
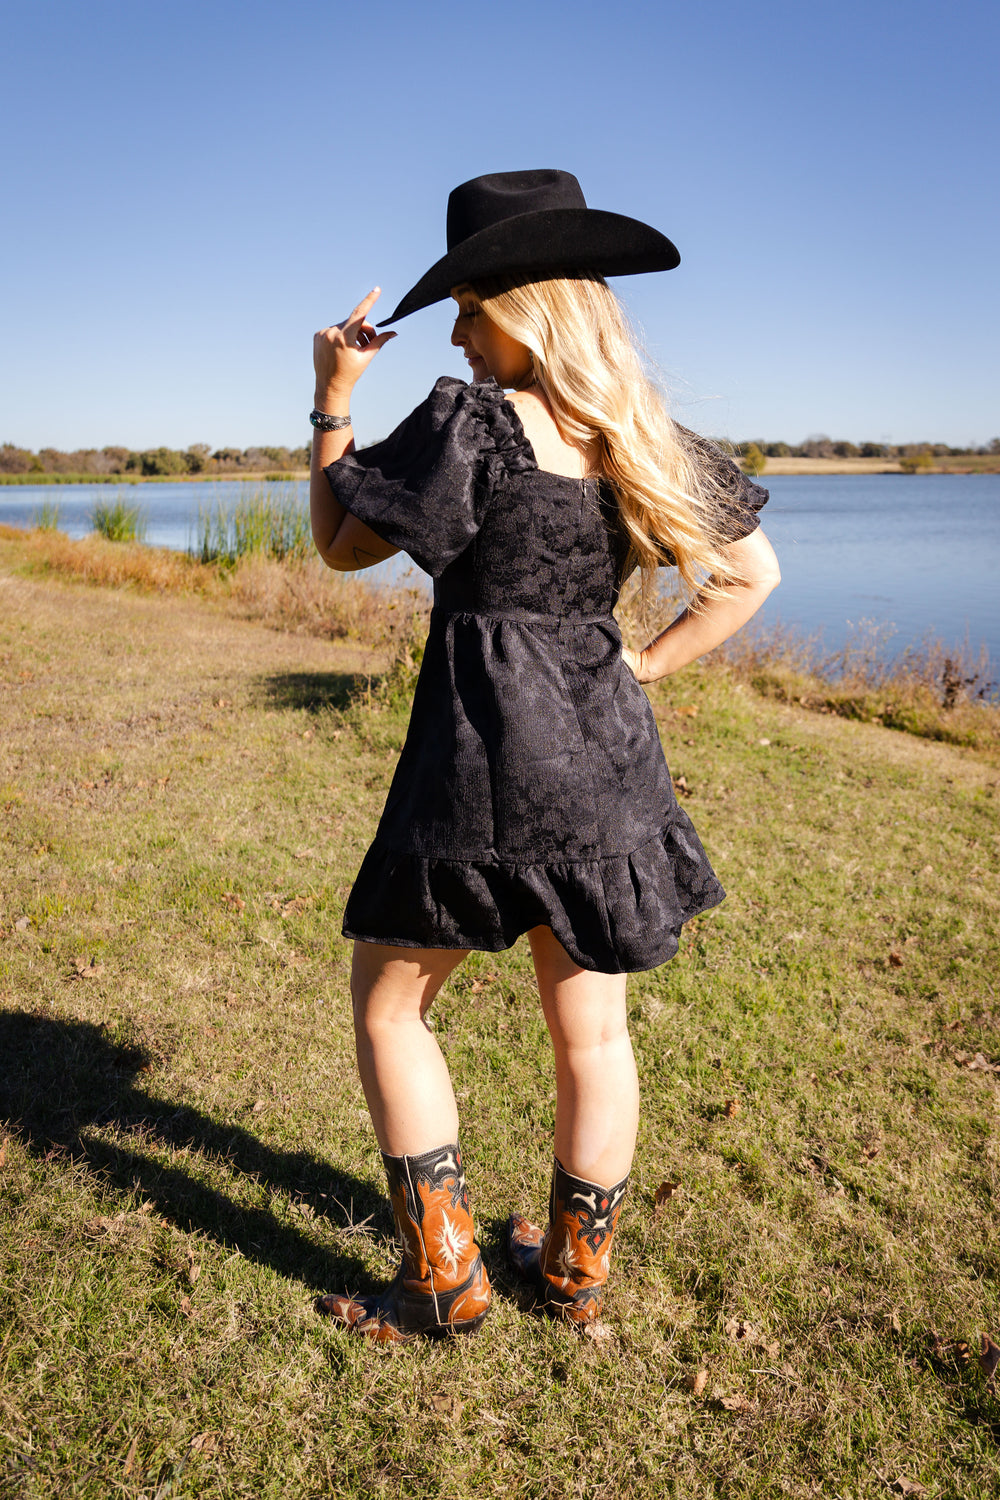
<point>200,459</point>
<point>821,446</point>
<point>151,462</point>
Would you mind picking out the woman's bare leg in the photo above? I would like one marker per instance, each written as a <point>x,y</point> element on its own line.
<point>597,1090</point>
<point>403,1073</point>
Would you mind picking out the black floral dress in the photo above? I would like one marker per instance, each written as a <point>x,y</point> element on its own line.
<point>532,789</point>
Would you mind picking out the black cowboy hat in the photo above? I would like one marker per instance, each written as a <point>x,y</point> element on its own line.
<point>534,222</point>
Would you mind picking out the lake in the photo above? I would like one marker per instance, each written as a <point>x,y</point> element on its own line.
<point>918,552</point>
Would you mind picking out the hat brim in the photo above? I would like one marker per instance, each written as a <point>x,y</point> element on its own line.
<point>550,241</point>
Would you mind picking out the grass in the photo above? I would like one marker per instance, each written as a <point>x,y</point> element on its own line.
<point>187,1160</point>
<point>117,521</point>
<point>259,525</point>
<point>46,516</point>
<point>930,689</point>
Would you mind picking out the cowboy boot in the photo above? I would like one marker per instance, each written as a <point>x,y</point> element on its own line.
<point>568,1264</point>
<point>441,1285</point>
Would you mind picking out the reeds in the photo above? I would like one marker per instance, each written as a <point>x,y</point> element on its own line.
<point>261,524</point>
<point>46,516</point>
<point>118,521</point>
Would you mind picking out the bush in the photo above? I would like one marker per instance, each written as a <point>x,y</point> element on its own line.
<point>752,459</point>
<point>917,461</point>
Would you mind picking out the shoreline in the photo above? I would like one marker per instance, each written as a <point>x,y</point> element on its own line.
<point>975,464</point>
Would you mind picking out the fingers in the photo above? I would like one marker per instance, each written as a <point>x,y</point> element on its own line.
<point>356,324</point>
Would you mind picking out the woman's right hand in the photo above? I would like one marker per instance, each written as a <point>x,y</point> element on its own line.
<point>343,352</point>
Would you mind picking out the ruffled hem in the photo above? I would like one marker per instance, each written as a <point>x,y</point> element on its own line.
<point>616,915</point>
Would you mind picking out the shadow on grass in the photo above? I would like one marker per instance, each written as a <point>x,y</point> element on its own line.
<point>316,691</point>
<point>61,1077</point>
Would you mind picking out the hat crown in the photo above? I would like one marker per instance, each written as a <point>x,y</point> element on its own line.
<point>485,201</point>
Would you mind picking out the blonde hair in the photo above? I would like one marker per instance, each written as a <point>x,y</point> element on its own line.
<point>670,485</point>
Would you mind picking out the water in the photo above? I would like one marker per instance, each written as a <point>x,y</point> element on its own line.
<point>917,552</point>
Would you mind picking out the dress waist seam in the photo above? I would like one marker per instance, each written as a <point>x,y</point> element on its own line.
<point>526,616</point>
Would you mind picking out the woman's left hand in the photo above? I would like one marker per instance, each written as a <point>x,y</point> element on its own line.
<point>633,660</point>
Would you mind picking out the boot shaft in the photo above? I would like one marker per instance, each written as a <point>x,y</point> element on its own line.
<point>583,1216</point>
<point>430,1204</point>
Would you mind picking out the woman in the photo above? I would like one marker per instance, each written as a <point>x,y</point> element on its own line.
<point>531,795</point>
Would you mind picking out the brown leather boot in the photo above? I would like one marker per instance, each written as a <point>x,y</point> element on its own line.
<point>441,1286</point>
<point>568,1264</point>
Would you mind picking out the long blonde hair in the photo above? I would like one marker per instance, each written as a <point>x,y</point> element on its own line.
<point>670,485</point>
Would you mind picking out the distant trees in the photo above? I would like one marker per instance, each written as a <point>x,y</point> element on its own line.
<point>151,462</point>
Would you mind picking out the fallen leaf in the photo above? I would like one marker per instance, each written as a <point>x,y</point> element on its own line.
<point>446,1406</point>
<point>731,1108</point>
<point>690,711</point>
<point>205,1442</point>
<point>736,1328</point>
<point>681,785</point>
<point>763,742</point>
<point>220,702</point>
<point>665,1192</point>
<point>697,1381</point>
<point>186,1307</point>
<point>87,968</point>
<point>3,1151</point>
<point>258,1106</point>
<point>870,1152</point>
<point>194,1268</point>
<point>895,958</point>
<point>904,1486</point>
<point>305,854</point>
<point>893,1324</point>
<point>598,1331</point>
<point>297,903</point>
<point>989,1358</point>
<point>130,1456</point>
<point>234,902</point>
<point>737,1403</point>
<point>22,924</point>
<point>772,1350</point>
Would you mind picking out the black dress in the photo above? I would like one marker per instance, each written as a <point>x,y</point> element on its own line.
<point>532,789</point>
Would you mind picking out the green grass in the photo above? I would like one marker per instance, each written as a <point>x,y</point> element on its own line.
<point>187,1159</point>
<point>46,516</point>
<point>117,521</point>
<point>259,525</point>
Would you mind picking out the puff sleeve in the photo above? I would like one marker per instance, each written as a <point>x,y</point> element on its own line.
<point>740,499</point>
<point>423,488</point>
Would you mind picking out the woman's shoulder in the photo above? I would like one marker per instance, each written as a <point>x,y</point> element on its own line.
<point>476,417</point>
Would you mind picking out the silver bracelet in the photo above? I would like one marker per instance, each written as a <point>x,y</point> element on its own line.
<point>323,422</point>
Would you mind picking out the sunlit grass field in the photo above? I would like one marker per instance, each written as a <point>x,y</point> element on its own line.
<point>808,1260</point>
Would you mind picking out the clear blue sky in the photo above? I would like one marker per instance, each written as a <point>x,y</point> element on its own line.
<point>193,188</point>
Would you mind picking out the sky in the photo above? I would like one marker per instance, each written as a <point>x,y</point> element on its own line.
<point>192,189</point>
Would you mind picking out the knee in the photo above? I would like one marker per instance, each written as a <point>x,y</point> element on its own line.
<point>377,1008</point>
